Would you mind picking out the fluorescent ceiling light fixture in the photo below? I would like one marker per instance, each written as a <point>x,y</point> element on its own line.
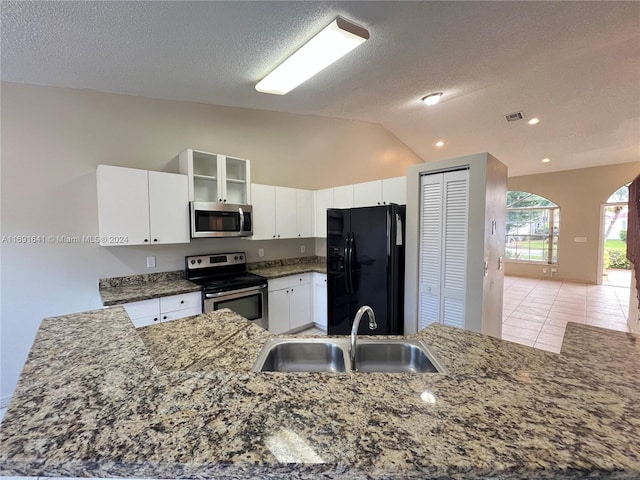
<point>534,121</point>
<point>432,98</point>
<point>334,41</point>
<point>545,160</point>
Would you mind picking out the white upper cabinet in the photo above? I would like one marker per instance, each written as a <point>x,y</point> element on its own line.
<point>394,190</point>
<point>323,201</point>
<point>214,177</point>
<point>264,211</point>
<point>380,192</point>
<point>304,213</point>
<point>343,196</point>
<point>138,207</point>
<point>286,212</point>
<point>168,208</point>
<point>281,212</point>
<point>367,194</point>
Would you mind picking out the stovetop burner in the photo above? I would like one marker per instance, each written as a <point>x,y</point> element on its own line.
<point>221,272</point>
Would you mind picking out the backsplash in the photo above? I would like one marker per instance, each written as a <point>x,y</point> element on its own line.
<point>134,280</point>
<point>285,262</point>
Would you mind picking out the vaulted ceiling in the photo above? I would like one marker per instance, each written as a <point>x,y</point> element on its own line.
<point>574,65</point>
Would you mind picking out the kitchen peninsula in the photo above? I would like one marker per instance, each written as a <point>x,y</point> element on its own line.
<point>99,398</point>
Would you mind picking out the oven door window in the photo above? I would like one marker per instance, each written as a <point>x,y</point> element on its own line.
<point>250,307</point>
<point>207,221</point>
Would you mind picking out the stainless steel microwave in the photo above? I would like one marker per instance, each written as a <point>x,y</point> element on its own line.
<point>216,220</point>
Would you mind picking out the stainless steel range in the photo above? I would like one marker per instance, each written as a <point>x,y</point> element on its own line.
<point>227,284</point>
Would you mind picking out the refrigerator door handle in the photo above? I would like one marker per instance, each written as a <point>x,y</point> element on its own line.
<point>347,264</point>
<point>351,245</point>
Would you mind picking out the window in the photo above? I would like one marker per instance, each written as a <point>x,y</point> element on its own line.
<point>533,226</point>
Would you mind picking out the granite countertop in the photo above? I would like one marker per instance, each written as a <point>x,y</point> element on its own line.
<point>120,290</point>
<point>284,268</point>
<point>99,398</point>
<point>134,288</point>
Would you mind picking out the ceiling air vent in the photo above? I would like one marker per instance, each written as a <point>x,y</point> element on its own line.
<point>514,117</point>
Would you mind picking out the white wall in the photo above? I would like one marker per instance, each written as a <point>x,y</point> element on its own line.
<point>52,141</point>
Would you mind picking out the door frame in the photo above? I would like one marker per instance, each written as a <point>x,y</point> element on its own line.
<point>601,238</point>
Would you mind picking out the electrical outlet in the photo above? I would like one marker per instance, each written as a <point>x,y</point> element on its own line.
<point>151,261</point>
<point>261,252</point>
<point>544,269</point>
<point>554,270</point>
<point>301,248</point>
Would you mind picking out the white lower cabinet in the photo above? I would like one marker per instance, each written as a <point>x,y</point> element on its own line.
<point>290,303</point>
<point>320,300</point>
<point>164,309</point>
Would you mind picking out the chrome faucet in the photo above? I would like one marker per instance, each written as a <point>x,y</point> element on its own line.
<point>354,330</point>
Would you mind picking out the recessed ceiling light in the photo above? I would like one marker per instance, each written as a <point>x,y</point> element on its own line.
<point>545,160</point>
<point>334,41</point>
<point>439,144</point>
<point>534,121</point>
<point>432,98</point>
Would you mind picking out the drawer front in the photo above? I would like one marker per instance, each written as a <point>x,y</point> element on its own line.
<point>144,308</point>
<point>302,279</point>
<point>320,279</point>
<point>278,283</point>
<point>175,315</point>
<point>185,301</point>
<point>145,321</point>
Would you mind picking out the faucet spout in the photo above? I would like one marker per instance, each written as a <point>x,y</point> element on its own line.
<point>354,330</point>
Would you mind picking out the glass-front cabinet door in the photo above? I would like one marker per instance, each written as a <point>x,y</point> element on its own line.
<point>236,186</point>
<point>214,177</point>
<point>205,178</point>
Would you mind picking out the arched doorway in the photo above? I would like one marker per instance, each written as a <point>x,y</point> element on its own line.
<point>614,268</point>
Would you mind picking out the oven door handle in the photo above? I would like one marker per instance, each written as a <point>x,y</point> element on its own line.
<point>233,292</point>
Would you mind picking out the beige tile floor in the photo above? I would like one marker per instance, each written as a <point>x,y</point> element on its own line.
<point>536,312</point>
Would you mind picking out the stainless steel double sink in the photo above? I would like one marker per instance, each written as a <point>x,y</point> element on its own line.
<point>295,354</point>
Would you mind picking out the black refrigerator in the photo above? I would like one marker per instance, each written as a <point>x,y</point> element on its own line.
<point>365,266</point>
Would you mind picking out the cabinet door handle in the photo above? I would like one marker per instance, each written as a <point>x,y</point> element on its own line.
<point>155,239</point>
<point>219,200</point>
<point>155,319</point>
<point>181,301</point>
<point>164,318</point>
<point>146,239</point>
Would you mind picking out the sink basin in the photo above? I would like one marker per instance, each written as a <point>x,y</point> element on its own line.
<point>295,354</point>
<point>301,355</point>
<point>400,356</point>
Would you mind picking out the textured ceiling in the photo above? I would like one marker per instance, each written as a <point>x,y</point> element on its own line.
<point>576,65</point>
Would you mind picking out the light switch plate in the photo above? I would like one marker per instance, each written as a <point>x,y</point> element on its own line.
<point>151,261</point>
<point>261,252</point>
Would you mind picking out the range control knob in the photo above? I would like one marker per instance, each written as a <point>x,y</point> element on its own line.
<point>236,257</point>
<point>241,257</point>
<point>193,262</point>
<point>199,260</point>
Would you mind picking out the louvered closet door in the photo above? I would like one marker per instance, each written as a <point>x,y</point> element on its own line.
<point>430,268</point>
<point>454,246</point>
